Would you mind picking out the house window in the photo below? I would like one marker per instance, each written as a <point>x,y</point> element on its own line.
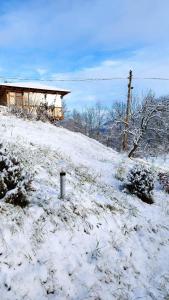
<point>19,99</point>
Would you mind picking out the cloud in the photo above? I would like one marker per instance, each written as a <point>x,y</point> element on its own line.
<point>81,24</point>
<point>144,63</point>
<point>83,39</point>
<point>41,71</point>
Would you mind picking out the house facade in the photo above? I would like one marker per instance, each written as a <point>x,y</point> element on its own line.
<point>30,96</point>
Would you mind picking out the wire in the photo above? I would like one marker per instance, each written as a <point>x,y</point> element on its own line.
<point>83,79</point>
<point>68,79</point>
<point>150,78</point>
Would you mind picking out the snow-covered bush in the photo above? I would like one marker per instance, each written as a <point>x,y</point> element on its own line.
<point>164,181</point>
<point>140,181</point>
<point>120,171</point>
<point>14,182</point>
<point>21,112</point>
<point>43,112</point>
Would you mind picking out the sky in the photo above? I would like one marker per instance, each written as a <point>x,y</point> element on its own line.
<point>71,39</point>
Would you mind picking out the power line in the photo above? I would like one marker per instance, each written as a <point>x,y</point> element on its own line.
<point>62,79</point>
<point>82,79</point>
<point>150,78</point>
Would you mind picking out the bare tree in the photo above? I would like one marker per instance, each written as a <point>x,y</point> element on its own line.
<point>148,128</point>
<point>148,120</point>
<point>115,125</point>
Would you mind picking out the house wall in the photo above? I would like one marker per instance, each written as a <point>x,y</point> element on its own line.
<point>11,98</point>
<point>3,98</point>
<point>32,100</point>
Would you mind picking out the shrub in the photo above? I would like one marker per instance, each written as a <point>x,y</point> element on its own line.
<point>164,181</point>
<point>14,182</point>
<point>120,171</point>
<point>43,112</point>
<point>21,112</point>
<point>140,181</point>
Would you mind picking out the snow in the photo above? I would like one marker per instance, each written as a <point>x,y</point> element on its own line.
<point>99,243</point>
<point>35,86</point>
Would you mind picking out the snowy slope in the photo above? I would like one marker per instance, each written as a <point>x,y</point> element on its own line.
<point>99,243</point>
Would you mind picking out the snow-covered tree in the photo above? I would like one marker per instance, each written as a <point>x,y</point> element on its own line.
<point>164,181</point>
<point>148,123</point>
<point>148,130</point>
<point>14,182</point>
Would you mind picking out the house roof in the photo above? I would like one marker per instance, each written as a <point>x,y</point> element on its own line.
<point>33,87</point>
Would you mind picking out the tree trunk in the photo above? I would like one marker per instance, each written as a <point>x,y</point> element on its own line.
<point>133,150</point>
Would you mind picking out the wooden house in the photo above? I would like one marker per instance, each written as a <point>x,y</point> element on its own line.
<point>29,96</point>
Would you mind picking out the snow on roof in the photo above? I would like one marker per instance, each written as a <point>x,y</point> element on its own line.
<point>33,85</point>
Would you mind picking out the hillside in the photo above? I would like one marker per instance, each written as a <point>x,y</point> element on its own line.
<point>99,243</point>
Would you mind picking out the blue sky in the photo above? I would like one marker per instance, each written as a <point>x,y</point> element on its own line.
<point>86,38</point>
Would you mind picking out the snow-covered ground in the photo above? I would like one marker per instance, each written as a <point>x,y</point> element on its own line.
<point>99,243</point>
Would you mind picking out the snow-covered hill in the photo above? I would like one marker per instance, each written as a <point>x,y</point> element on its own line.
<point>99,243</point>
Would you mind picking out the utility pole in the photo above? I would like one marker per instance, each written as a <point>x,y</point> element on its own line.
<point>128,111</point>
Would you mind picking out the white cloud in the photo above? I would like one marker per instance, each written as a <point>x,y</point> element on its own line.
<point>41,71</point>
<point>83,28</point>
<point>145,63</point>
<point>98,23</point>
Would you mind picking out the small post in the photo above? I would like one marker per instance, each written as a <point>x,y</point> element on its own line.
<point>62,184</point>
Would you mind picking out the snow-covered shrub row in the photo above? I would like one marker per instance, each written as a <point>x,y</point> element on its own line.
<point>164,181</point>
<point>21,112</point>
<point>140,181</point>
<point>14,182</point>
<point>42,113</point>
